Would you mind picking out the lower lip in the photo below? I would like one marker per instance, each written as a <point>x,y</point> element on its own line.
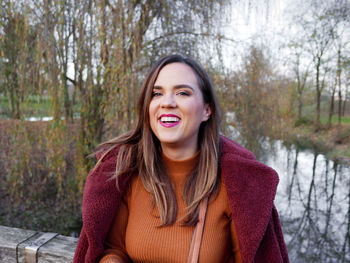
<point>169,125</point>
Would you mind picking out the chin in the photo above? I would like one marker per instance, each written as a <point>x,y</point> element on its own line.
<point>168,141</point>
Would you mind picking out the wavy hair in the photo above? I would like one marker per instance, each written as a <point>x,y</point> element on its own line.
<point>140,152</point>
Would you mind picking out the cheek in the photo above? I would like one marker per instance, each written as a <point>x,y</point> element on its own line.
<point>152,114</point>
<point>151,110</point>
<point>198,110</point>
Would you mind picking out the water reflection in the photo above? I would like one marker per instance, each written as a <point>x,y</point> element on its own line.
<point>313,199</point>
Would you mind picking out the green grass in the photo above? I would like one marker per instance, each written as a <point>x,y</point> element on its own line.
<point>309,112</point>
<point>338,153</point>
<point>33,106</point>
<point>334,119</point>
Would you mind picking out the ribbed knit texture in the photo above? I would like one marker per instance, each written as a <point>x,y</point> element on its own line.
<point>135,230</point>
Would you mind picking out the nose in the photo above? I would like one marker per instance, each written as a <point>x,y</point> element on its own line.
<point>168,101</point>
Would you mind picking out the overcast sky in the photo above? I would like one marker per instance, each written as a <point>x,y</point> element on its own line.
<point>261,23</point>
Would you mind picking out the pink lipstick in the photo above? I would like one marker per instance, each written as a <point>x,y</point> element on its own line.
<point>169,120</point>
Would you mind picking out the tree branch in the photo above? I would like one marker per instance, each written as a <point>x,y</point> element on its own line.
<point>218,36</point>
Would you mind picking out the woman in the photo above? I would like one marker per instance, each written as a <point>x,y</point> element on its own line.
<point>162,174</point>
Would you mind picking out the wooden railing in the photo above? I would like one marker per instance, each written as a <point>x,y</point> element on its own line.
<point>28,246</point>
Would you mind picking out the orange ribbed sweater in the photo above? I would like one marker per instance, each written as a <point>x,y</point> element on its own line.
<point>134,235</point>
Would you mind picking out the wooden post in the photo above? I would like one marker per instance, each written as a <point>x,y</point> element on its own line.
<point>14,241</point>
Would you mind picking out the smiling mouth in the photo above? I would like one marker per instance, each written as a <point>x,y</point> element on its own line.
<point>169,121</point>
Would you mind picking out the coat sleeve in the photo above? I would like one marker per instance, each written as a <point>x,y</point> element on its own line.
<point>279,235</point>
<point>100,202</point>
<point>81,248</point>
<point>272,248</point>
<point>115,250</point>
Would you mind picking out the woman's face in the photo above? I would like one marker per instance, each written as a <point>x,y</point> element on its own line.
<point>177,108</point>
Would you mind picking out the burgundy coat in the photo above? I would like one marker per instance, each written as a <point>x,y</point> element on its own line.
<point>251,188</point>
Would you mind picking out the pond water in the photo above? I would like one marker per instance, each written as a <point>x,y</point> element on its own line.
<point>45,118</point>
<point>313,200</point>
<point>48,118</point>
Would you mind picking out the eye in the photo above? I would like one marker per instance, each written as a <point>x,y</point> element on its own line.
<point>184,93</point>
<point>156,94</point>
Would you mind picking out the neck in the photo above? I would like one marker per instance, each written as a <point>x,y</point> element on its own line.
<point>176,153</point>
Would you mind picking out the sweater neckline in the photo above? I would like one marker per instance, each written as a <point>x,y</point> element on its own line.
<point>182,167</point>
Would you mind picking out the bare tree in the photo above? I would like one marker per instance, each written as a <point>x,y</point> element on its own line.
<point>340,19</point>
<point>255,99</point>
<point>301,74</point>
<point>17,42</point>
<point>318,30</point>
<point>331,104</point>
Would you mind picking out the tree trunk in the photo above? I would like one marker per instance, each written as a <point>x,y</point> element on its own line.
<point>13,100</point>
<point>339,88</point>
<point>15,112</point>
<point>68,105</point>
<point>345,99</point>
<point>331,108</point>
<point>300,106</point>
<point>340,103</point>
<point>318,95</point>
<point>299,91</point>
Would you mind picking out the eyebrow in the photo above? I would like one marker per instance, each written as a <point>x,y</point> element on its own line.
<point>180,86</point>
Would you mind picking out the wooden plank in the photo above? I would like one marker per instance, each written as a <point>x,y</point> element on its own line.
<point>60,249</point>
<point>31,249</point>
<point>9,238</point>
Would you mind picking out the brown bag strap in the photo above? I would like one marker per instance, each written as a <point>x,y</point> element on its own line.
<point>193,254</point>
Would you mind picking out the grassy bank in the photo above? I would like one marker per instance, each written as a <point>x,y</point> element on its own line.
<point>333,141</point>
<point>33,106</point>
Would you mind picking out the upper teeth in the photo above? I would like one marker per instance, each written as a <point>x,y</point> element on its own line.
<point>165,119</point>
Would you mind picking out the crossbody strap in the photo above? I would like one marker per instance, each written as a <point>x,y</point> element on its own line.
<point>193,253</point>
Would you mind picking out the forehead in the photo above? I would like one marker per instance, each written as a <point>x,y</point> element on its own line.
<point>176,74</point>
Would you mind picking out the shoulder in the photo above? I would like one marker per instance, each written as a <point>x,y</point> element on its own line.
<point>234,155</point>
<point>101,198</point>
<point>251,188</point>
<point>105,161</point>
<point>230,147</point>
<point>242,172</point>
<point>99,179</point>
<point>108,155</point>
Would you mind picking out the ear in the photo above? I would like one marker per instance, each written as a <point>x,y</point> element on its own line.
<point>206,112</point>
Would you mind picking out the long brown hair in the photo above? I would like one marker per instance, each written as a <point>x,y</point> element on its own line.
<point>140,153</point>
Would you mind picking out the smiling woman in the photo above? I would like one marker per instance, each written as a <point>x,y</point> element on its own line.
<point>179,192</point>
<point>177,110</point>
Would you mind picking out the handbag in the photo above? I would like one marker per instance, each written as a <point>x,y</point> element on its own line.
<point>193,253</point>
